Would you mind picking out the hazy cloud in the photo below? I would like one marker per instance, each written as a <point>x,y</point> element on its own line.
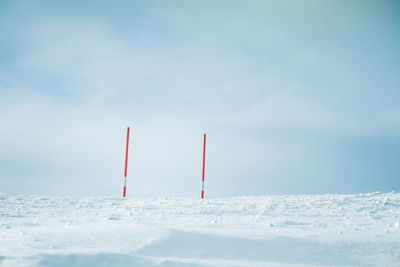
<point>296,97</point>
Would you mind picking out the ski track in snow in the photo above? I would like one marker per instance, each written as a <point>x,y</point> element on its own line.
<point>293,230</point>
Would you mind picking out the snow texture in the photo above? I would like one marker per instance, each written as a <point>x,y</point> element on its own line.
<point>293,230</point>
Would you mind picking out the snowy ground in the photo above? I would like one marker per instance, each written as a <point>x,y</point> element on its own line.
<point>295,230</point>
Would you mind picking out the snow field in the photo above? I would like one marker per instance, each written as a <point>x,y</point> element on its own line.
<point>293,230</point>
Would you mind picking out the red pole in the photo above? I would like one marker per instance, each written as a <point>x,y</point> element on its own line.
<point>126,161</point>
<point>204,162</point>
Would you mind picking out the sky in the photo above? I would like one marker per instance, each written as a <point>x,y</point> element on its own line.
<point>296,97</point>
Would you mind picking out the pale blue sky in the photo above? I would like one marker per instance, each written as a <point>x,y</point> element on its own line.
<point>295,96</point>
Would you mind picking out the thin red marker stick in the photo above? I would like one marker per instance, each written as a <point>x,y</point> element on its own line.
<point>204,162</point>
<point>126,161</point>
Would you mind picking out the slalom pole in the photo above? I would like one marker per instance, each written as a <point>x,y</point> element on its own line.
<point>126,161</point>
<point>204,159</point>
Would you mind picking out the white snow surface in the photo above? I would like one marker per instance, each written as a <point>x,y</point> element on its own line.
<point>283,230</point>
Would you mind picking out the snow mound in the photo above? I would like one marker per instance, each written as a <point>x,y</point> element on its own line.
<point>294,230</point>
